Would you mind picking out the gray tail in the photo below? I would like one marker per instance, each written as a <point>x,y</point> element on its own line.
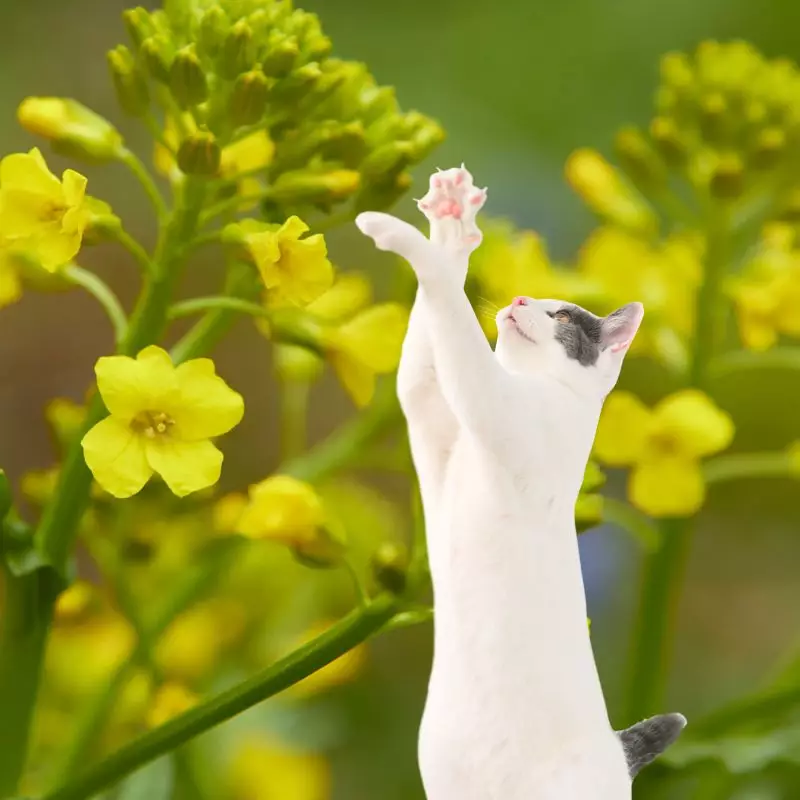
<point>645,741</point>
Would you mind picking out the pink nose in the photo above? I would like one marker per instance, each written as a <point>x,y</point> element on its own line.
<point>519,301</point>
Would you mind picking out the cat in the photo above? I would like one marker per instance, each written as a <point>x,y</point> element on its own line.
<point>500,441</point>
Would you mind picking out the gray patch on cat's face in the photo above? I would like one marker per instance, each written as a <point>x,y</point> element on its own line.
<point>580,337</point>
<point>646,740</point>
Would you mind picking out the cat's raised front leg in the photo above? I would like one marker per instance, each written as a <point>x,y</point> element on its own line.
<point>475,387</point>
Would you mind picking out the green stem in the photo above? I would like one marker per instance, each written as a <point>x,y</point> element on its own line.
<point>187,308</point>
<point>294,413</point>
<point>634,522</point>
<point>101,292</point>
<point>664,567</point>
<point>355,628</point>
<point>135,249</point>
<point>744,361</point>
<point>27,610</point>
<point>233,204</point>
<point>750,465</point>
<point>142,174</point>
<point>58,527</point>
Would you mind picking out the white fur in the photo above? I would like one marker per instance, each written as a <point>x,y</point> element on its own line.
<point>500,440</point>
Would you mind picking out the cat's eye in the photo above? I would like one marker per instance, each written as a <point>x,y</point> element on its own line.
<point>562,316</point>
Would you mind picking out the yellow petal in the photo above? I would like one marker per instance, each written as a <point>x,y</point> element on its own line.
<point>357,379</point>
<point>29,171</point>
<point>115,455</point>
<point>282,508</point>
<point>292,229</point>
<point>186,467</point>
<point>24,213</point>
<point>350,293</point>
<point>623,430</point>
<point>205,406</point>
<point>54,248</point>
<point>129,386</point>
<point>669,487</point>
<point>74,187</point>
<point>375,336</point>
<point>694,423</point>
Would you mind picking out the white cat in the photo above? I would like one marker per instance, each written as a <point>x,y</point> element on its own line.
<point>500,441</point>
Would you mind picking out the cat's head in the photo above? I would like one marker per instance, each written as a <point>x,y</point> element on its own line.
<point>565,342</point>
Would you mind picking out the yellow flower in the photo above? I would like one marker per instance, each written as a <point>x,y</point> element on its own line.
<point>295,271</point>
<point>48,214</point>
<point>663,446</point>
<point>74,602</point>
<point>161,420</point>
<point>252,153</point>
<point>340,671</point>
<point>266,770</point>
<point>664,277</point>
<point>366,345</point>
<point>767,293</point>
<point>170,700</point>
<point>607,193</point>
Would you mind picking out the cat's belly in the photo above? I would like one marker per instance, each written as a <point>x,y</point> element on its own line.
<point>514,687</point>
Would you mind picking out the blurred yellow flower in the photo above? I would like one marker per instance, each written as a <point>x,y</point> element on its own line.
<point>267,770</point>
<point>295,271</point>
<point>367,345</point>
<point>665,277</point>
<point>191,647</point>
<point>73,603</point>
<point>170,700</point>
<point>663,446</point>
<point>10,283</point>
<point>286,510</point>
<point>228,511</point>
<point>342,670</point>
<point>161,420</point>
<point>41,213</point>
<point>608,193</point>
<point>767,293</point>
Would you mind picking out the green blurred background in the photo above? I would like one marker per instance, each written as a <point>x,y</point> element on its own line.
<point>517,85</point>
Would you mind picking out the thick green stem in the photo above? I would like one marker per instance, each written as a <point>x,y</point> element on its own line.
<point>58,528</point>
<point>294,414</point>
<point>27,608</point>
<point>336,641</point>
<point>664,567</point>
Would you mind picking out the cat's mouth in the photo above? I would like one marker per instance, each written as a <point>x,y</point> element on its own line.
<point>513,321</point>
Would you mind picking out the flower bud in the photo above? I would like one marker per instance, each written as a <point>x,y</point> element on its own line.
<point>102,224</point>
<point>214,27</point>
<point>238,51</point>
<point>639,159</point>
<point>588,511</point>
<point>427,138</point>
<point>727,178</point>
<point>603,189</point>
<point>281,54</point>
<point>378,102</point>
<point>65,418</point>
<point>129,82</point>
<point>295,363</point>
<point>345,143</point>
<point>139,25</point>
<point>302,187</point>
<point>383,195</point>
<point>71,127</point>
<point>669,141</point>
<point>187,81</point>
<point>713,116</point>
<point>299,83</point>
<point>390,567</point>
<point>156,54</point>
<point>248,100</point>
<point>199,154</point>
<point>386,160</point>
<point>769,146</point>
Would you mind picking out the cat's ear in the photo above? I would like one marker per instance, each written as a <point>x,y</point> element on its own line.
<point>618,328</point>
<point>647,740</point>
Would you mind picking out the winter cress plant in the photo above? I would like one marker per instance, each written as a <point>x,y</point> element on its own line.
<point>264,141</point>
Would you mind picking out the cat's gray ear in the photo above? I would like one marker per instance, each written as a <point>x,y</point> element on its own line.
<point>618,328</point>
<point>645,741</point>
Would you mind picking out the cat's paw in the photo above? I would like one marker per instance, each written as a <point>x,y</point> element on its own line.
<point>394,235</point>
<point>451,205</point>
